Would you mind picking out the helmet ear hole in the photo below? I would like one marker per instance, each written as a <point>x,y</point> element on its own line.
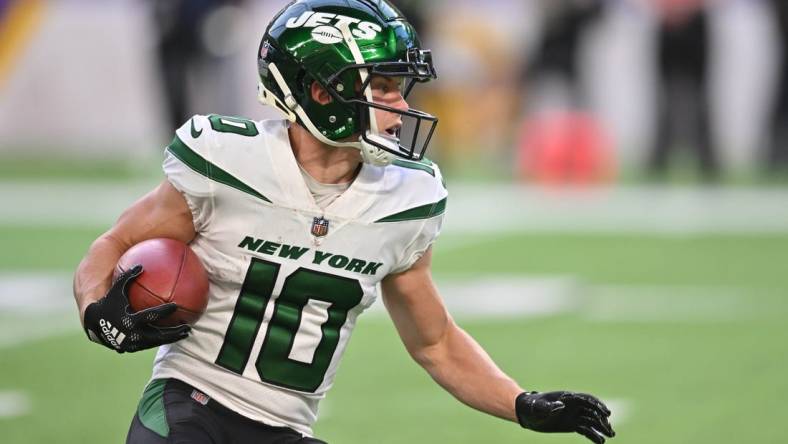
<point>319,94</point>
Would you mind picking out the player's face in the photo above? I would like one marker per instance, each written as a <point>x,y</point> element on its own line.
<point>388,91</point>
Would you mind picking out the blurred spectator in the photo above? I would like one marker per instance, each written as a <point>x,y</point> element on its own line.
<point>565,26</point>
<point>560,141</point>
<point>682,60</point>
<point>777,156</point>
<point>476,62</point>
<point>192,36</point>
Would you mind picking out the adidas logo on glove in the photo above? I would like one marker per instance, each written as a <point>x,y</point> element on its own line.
<point>111,334</point>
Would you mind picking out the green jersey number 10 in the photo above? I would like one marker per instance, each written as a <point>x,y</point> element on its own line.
<point>311,308</point>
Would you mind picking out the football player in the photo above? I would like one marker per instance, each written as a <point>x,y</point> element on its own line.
<point>298,222</point>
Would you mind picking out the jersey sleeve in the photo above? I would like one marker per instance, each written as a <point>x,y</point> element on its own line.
<point>182,165</point>
<point>427,231</point>
<point>425,237</point>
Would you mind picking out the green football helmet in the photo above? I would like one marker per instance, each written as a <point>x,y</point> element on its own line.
<point>341,44</point>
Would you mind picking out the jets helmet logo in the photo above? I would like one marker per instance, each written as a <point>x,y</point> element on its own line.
<point>328,26</point>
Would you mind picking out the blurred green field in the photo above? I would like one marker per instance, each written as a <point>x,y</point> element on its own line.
<point>702,380</point>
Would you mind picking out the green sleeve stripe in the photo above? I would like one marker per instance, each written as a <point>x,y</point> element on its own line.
<point>151,408</point>
<point>423,165</point>
<point>422,212</point>
<point>207,169</point>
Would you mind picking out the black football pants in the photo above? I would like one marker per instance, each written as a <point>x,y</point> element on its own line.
<point>172,411</point>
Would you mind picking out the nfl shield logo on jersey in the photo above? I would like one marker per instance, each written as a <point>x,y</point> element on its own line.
<point>319,227</point>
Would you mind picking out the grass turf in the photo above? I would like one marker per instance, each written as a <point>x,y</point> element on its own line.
<point>701,382</point>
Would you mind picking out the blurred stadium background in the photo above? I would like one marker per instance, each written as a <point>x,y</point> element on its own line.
<point>618,220</point>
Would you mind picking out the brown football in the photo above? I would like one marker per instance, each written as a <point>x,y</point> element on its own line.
<point>171,272</point>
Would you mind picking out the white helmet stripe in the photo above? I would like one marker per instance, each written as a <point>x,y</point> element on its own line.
<point>359,59</point>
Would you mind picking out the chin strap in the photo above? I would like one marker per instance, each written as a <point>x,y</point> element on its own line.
<point>290,107</point>
<point>374,155</point>
<point>268,98</point>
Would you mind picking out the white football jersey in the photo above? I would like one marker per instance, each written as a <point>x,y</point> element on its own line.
<point>287,279</point>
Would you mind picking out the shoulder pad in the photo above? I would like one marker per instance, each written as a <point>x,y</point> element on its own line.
<point>201,131</point>
<point>416,190</point>
<point>229,150</point>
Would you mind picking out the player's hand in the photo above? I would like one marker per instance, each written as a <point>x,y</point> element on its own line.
<point>109,321</point>
<point>555,412</point>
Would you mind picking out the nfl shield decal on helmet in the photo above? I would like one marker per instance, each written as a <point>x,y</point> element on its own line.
<point>319,227</point>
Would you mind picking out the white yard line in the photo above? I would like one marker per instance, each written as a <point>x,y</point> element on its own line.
<point>690,304</point>
<point>472,208</point>
<point>37,306</point>
<point>513,297</point>
<point>496,297</point>
<point>14,403</point>
<point>35,292</point>
<point>657,209</point>
<point>67,203</point>
<point>30,329</point>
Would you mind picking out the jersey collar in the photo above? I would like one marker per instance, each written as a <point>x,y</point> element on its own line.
<point>349,206</point>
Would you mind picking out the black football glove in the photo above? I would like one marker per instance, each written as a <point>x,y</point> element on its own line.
<point>109,322</point>
<point>556,412</point>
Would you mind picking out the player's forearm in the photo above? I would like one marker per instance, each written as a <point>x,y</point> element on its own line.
<point>460,365</point>
<point>94,274</point>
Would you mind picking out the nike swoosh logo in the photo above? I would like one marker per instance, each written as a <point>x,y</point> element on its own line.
<point>195,133</point>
